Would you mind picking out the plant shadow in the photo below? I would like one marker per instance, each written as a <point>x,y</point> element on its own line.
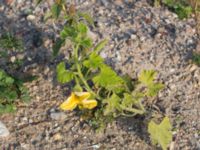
<point>36,39</point>
<point>135,125</point>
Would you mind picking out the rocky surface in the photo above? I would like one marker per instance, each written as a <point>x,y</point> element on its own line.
<point>140,37</point>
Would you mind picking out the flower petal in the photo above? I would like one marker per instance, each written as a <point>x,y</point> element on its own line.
<point>70,103</point>
<point>89,104</point>
<point>82,95</point>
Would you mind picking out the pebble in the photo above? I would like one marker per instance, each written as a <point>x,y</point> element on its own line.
<point>57,137</point>
<point>172,146</point>
<point>13,59</point>
<point>58,115</point>
<point>118,2</point>
<point>30,17</point>
<point>96,146</point>
<point>92,35</point>
<point>105,2</point>
<point>3,130</point>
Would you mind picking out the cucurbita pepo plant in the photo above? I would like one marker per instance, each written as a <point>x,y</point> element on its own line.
<point>99,93</point>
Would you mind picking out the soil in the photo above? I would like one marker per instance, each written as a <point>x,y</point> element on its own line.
<point>140,37</point>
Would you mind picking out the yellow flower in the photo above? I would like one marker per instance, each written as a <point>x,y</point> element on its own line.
<point>78,99</point>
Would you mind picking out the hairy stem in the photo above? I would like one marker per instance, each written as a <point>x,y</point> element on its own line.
<point>79,71</point>
<point>133,110</point>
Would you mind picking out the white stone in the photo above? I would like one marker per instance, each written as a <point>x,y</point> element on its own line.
<point>3,130</point>
<point>30,17</point>
<point>13,59</point>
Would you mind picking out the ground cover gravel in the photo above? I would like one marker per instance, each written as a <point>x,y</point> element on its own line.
<point>140,37</point>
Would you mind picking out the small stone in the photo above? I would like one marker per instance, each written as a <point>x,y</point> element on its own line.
<point>133,36</point>
<point>47,43</point>
<point>95,146</point>
<point>46,71</point>
<point>92,35</point>
<point>29,59</point>
<point>24,146</point>
<point>8,2</point>
<point>3,130</point>
<point>58,115</point>
<point>25,119</point>
<point>118,2</point>
<point>193,68</point>
<point>20,56</point>
<point>30,17</point>
<point>103,54</point>
<point>105,2</point>
<point>13,59</point>
<point>172,146</point>
<point>57,137</point>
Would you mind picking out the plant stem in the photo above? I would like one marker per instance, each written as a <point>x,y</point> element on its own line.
<point>77,82</point>
<point>79,71</point>
<point>133,110</point>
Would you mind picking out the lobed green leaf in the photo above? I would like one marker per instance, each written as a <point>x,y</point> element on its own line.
<point>108,79</point>
<point>161,133</point>
<point>154,89</point>
<point>147,77</point>
<point>87,17</point>
<point>94,61</point>
<point>82,28</point>
<point>63,75</point>
<point>112,105</point>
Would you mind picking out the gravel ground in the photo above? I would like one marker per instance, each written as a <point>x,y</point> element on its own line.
<point>140,37</point>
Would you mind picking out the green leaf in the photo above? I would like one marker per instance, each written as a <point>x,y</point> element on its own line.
<point>5,80</point>
<point>77,88</point>
<point>100,46</point>
<point>169,3</point>
<point>3,54</point>
<point>9,42</point>
<point>181,8</point>
<point>183,11</point>
<point>56,10</point>
<point>147,77</point>
<point>56,47</point>
<point>196,58</point>
<point>63,75</point>
<point>8,108</point>
<point>157,3</point>
<point>128,100</point>
<point>131,104</point>
<point>24,94</point>
<point>8,94</point>
<point>68,32</point>
<point>87,17</point>
<point>112,105</point>
<point>94,61</point>
<point>108,79</point>
<point>82,28</point>
<point>161,133</point>
<point>154,89</point>
<point>86,42</point>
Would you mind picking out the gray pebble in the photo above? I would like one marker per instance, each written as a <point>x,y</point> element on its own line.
<point>58,115</point>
